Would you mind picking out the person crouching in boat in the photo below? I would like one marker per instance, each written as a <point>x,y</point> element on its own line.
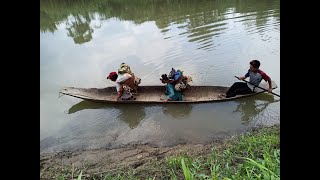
<point>256,75</point>
<point>124,68</point>
<point>170,94</point>
<point>176,85</point>
<point>126,81</point>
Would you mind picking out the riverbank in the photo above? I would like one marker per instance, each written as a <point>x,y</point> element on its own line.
<point>254,154</point>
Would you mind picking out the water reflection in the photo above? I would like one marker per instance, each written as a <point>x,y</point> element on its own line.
<point>251,107</point>
<point>79,29</point>
<point>198,21</point>
<point>177,110</point>
<point>131,115</point>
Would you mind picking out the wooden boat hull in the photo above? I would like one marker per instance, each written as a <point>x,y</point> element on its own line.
<point>152,94</point>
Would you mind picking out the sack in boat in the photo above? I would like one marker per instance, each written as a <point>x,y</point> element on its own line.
<point>187,79</point>
<point>124,68</point>
<point>180,86</point>
<point>137,80</point>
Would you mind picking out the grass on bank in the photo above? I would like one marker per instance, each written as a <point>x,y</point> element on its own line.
<point>255,155</point>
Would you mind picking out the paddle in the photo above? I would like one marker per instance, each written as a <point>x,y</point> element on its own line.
<point>258,86</point>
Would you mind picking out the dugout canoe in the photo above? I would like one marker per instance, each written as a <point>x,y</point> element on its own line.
<point>152,94</point>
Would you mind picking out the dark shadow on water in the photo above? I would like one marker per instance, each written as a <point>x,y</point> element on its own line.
<point>85,105</point>
<point>177,110</point>
<point>132,114</point>
<point>128,113</point>
<point>252,106</point>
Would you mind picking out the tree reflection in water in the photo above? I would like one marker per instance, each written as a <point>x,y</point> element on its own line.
<point>199,20</point>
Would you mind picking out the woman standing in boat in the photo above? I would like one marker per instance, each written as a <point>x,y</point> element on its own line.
<point>125,81</point>
<point>256,75</point>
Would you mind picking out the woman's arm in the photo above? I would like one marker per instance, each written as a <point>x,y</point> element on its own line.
<point>119,90</point>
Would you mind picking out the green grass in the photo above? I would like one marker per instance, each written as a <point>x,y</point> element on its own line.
<point>255,155</point>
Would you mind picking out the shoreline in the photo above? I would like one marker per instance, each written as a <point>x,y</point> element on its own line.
<point>135,158</point>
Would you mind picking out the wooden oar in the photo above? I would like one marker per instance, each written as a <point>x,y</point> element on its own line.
<point>258,86</point>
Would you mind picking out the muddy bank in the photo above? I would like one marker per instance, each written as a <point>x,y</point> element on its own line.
<point>101,161</point>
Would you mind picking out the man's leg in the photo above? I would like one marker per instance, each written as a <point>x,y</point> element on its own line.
<point>244,90</point>
<point>237,88</point>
